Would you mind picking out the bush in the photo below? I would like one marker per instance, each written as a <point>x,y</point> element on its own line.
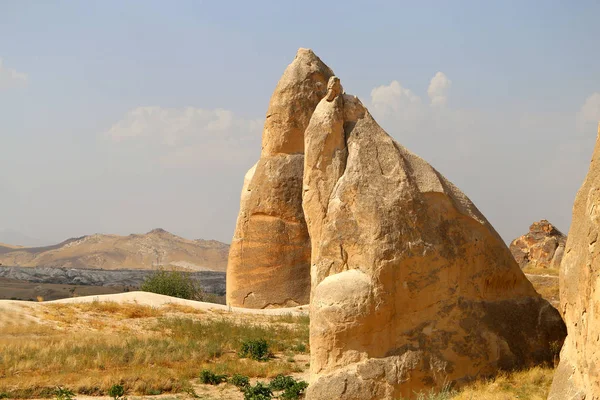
<point>240,381</point>
<point>281,382</point>
<point>255,349</point>
<point>173,283</point>
<point>295,391</point>
<point>63,394</point>
<point>116,392</point>
<point>258,392</point>
<point>210,378</point>
<point>292,389</point>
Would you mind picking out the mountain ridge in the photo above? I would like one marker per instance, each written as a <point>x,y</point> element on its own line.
<point>156,248</point>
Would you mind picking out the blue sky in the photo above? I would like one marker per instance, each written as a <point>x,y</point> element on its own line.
<point>91,93</point>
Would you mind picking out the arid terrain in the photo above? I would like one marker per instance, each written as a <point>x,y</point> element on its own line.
<point>106,264</point>
<point>156,347</point>
<point>16,289</point>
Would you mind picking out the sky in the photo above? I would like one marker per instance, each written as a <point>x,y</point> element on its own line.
<point>124,116</point>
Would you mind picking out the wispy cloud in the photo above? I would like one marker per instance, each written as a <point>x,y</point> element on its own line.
<point>180,137</point>
<point>589,114</point>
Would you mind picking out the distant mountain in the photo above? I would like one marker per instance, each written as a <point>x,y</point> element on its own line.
<point>157,248</point>
<point>16,238</point>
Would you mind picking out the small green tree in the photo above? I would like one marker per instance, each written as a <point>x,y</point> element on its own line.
<point>173,283</point>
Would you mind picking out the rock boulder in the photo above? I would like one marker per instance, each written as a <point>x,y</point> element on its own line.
<point>269,258</point>
<point>412,288</point>
<point>542,247</point>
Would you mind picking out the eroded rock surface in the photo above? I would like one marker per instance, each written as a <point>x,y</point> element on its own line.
<point>578,374</point>
<point>412,288</point>
<point>542,247</point>
<point>269,259</point>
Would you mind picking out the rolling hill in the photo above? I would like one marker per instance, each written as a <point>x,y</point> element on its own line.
<point>157,248</point>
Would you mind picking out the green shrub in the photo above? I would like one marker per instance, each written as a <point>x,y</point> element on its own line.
<point>63,393</point>
<point>210,378</point>
<point>3,395</point>
<point>292,389</point>
<point>240,381</point>
<point>295,391</point>
<point>116,392</point>
<point>255,349</point>
<point>173,283</point>
<point>281,382</point>
<point>258,392</point>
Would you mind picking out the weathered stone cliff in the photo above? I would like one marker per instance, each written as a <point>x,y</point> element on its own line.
<point>578,374</point>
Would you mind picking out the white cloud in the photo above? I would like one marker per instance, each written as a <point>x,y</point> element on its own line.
<point>589,112</point>
<point>393,98</point>
<point>180,137</point>
<point>11,78</point>
<point>438,89</point>
<point>396,102</point>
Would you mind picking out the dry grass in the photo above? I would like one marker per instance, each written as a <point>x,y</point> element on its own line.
<point>89,347</point>
<point>541,271</point>
<point>532,384</point>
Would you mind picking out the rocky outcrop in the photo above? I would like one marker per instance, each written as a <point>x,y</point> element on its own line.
<point>269,260</point>
<point>542,247</point>
<point>157,248</point>
<point>578,374</point>
<point>412,288</point>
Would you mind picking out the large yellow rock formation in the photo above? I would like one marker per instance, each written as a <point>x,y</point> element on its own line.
<point>412,288</point>
<point>578,374</point>
<point>269,259</point>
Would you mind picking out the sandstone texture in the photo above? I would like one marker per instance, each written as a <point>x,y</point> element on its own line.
<point>412,288</point>
<point>269,259</point>
<point>157,248</point>
<point>542,247</point>
<point>578,374</point>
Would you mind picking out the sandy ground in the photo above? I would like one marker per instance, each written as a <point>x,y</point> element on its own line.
<point>155,300</point>
<point>12,311</point>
